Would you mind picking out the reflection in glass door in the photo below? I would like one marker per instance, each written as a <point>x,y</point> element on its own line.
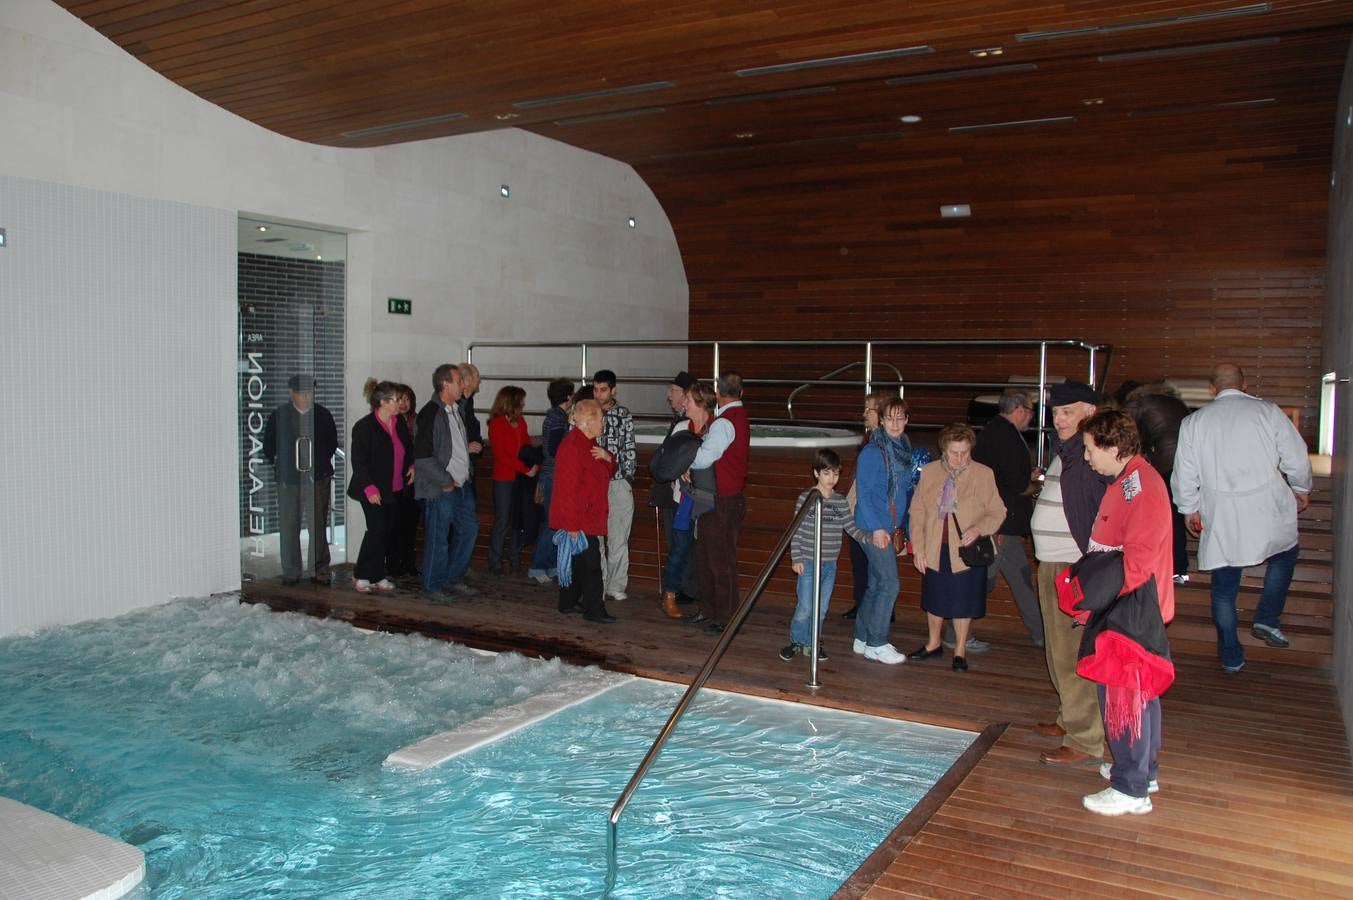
<point>291,410</point>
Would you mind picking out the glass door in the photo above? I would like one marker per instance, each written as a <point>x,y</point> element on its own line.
<point>292,293</point>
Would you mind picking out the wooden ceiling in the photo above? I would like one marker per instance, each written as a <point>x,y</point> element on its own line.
<point>689,81</point>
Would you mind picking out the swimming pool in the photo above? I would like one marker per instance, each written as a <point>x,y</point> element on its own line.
<point>242,751</point>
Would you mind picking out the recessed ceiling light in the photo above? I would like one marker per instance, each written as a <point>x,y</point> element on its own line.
<point>744,135</point>
<point>1093,101</point>
<point>504,191</point>
<point>263,228</point>
<point>319,258</point>
<point>503,117</point>
<point>955,211</point>
<point>911,119</point>
<point>988,51</point>
<point>632,223</point>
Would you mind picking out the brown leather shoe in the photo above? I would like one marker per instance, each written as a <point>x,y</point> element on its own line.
<point>670,607</point>
<point>1049,729</point>
<point>1066,756</point>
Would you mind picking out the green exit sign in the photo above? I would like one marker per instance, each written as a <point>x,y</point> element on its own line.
<point>400,307</point>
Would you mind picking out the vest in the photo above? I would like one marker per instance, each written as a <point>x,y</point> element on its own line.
<point>730,470</point>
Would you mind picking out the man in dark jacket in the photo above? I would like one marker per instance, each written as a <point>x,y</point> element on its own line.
<point>1158,412</point>
<point>1001,447</point>
<point>300,440</point>
<point>442,470</point>
<point>660,495</point>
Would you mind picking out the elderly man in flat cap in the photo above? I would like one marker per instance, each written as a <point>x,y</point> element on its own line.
<point>1063,516</point>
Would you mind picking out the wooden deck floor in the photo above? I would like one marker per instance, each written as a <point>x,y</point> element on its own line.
<point>1256,786</point>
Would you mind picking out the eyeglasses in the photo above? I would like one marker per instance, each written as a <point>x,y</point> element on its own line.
<point>896,419</point>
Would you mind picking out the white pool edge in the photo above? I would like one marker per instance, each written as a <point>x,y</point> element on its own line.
<point>498,724</point>
<point>45,857</point>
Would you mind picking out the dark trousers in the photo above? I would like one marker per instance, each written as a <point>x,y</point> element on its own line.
<point>1179,533</point>
<point>716,557</point>
<point>295,504</point>
<point>1134,761</point>
<point>678,575</point>
<point>586,583</point>
<point>504,531</point>
<point>380,524</point>
<point>400,552</point>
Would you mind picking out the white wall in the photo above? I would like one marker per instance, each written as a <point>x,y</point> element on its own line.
<point>555,261</point>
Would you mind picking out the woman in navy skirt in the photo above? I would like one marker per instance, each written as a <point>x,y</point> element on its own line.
<point>955,503</point>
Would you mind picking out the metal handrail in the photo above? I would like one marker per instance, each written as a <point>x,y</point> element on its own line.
<point>789,403</point>
<point>813,503</point>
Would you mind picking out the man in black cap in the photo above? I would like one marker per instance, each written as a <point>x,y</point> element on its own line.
<point>1063,516</point>
<point>661,495</point>
<point>300,440</point>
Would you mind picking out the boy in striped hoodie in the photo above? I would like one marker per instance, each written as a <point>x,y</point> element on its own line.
<point>836,518</point>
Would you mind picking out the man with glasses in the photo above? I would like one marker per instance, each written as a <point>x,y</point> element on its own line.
<point>1001,446</point>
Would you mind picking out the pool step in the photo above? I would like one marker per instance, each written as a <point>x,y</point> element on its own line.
<point>44,856</point>
<point>437,749</point>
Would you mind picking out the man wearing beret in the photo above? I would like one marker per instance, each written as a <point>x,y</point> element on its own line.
<point>1063,517</point>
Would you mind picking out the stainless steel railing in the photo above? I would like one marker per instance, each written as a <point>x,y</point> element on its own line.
<point>812,504</point>
<point>789,404</point>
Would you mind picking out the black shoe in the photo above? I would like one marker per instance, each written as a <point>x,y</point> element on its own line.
<point>921,653</point>
<point>713,628</point>
<point>960,664</point>
<point>822,652</point>
<point>604,618</point>
<point>791,651</point>
<point>697,619</point>
<point>850,613</point>
<point>573,610</point>
<point>289,580</point>
<point>686,599</point>
<point>433,596</point>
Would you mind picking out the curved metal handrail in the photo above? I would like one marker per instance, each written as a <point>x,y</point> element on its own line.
<point>789,403</point>
<point>813,503</point>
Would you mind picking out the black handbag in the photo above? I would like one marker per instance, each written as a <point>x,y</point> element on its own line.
<point>981,552</point>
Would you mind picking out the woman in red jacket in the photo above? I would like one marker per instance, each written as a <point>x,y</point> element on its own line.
<point>579,507</point>
<point>1134,518</point>
<point>507,435</point>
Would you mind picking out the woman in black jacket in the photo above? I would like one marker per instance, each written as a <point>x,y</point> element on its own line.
<point>381,458</point>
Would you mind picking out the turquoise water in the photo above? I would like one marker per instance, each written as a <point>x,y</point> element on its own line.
<point>241,750</point>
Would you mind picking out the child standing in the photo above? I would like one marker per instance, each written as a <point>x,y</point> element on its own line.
<point>836,518</point>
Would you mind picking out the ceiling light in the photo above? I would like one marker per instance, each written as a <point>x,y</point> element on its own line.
<point>987,51</point>
<point>504,191</point>
<point>319,258</point>
<point>1138,24</point>
<point>1093,101</point>
<point>263,228</point>
<point>632,223</point>
<point>744,135</point>
<point>911,119</point>
<point>503,117</point>
<point>595,95</point>
<point>1191,50</point>
<point>955,211</point>
<point>848,60</point>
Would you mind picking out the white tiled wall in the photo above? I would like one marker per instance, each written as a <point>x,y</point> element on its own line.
<point>117,348</point>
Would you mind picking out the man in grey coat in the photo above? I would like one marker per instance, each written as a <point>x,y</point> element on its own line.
<point>1241,476</point>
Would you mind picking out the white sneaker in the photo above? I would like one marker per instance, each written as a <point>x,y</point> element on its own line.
<point>859,646</point>
<point>1113,802</point>
<point>1181,579</point>
<point>1105,769</point>
<point>619,595</point>
<point>385,585</point>
<point>541,579</point>
<point>361,586</point>
<point>885,654</point>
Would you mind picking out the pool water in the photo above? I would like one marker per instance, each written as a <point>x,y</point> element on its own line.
<point>242,751</point>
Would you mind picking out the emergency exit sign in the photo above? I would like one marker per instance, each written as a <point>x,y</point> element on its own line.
<point>400,307</point>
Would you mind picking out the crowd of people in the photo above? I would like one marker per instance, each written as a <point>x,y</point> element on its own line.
<point>1127,478</point>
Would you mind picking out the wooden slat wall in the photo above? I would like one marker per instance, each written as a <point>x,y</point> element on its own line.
<point>1182,241</point>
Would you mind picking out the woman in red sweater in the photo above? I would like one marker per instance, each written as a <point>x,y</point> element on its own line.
<point>507,435</point>
<point>579,506</point>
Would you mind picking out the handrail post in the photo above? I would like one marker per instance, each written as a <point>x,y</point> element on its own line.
<point>816,632</point>
<point>1042,397</point>
<point>869,368</point>
<point>1091,379</point>
<point>583,347</point>
<point>715,377</point>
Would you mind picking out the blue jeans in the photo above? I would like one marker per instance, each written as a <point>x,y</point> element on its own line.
<point>545,559</point>
<point>451,513</point>
<point>872,620</point>
<point>679,545</point>
<point>801,626</point>
<point>1226,588</point>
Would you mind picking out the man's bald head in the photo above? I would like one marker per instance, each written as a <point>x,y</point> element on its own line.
<point>1227,376</point>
